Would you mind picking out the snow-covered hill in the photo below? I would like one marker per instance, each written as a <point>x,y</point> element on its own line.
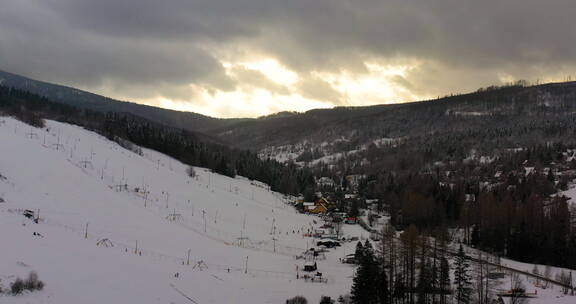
<point>241,238</point>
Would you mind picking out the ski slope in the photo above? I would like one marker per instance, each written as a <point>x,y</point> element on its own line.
<point>228,240</point>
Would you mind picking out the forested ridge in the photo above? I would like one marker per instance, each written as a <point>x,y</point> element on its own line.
<point>189,147</point>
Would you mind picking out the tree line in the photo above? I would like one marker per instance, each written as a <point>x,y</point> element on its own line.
<point>191,148</point>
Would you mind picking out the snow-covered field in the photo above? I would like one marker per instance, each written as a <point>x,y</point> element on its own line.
<point>241,237</point>
<point>542,292</point>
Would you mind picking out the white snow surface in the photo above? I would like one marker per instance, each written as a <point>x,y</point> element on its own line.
<point>544,293</point>
<point>72,177</point>
<point>571,194</point>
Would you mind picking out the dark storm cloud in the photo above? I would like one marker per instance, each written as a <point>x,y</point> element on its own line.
<point>37,40</point>
<point>318,89</point>
<point>460,44</point>
<point>257,79</point>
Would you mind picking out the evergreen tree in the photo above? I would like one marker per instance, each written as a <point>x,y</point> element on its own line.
<point>383,291</point>
<point>475,238</point>
<point>399,288</point>
<point>354,209</point>
<point>444,279</point>
<point>423,286</point>
<point>364,285</point>
<point>368,246</point>
<point>462,278</point>
<point>359,253</point>
<point>433,286</point>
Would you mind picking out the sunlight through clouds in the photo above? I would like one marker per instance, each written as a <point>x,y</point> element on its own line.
<point>252,103</point>
<point>273,70</point>
<point>266,86</point>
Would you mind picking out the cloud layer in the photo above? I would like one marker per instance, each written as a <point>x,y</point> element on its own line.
<point>253,57</point>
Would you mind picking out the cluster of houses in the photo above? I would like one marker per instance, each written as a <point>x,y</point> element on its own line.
<point>332,207</point>
<point>564,168</point>
<point>327,208</point>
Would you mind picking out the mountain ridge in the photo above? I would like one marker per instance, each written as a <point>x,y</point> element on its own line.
<point>83,99</point>
<point>351,126</point>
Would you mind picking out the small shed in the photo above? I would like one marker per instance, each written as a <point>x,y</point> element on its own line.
<point>28,213</point>
<point>310,266</point>
<point>496,275</point>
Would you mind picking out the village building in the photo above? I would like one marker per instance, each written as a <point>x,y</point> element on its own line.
<point>325,181</point>
<point>320,206</point>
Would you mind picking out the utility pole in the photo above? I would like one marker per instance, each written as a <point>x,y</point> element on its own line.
<point>204,218</point>
<point>31,134</point>
<point>571,287</point>
<point>136,248</point>
<point>273,229</point>
<point>241,239</point>
<point>86,231</point>
<point>216,216</point>
<point>188,258</point>
<point>246,267</point>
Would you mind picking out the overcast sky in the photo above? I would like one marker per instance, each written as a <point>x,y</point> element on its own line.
<point>231,58</point>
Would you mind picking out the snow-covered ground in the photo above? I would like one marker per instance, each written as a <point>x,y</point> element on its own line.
<point>571,194</point>
<point>541,292</point>
<point>76,179</point>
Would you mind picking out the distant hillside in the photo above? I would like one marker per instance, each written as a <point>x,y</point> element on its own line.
<point>86,100</point>
<point>504,111</point>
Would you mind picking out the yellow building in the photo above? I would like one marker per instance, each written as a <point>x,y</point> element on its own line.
<point>319,207</point>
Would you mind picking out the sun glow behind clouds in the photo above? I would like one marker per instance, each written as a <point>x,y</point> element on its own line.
<point>378,86</point>
<point>253,103</point>
<point>273,70</point>
<point>277,88</point>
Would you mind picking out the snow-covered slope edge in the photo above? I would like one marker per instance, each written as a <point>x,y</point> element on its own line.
<point>240,236</point>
